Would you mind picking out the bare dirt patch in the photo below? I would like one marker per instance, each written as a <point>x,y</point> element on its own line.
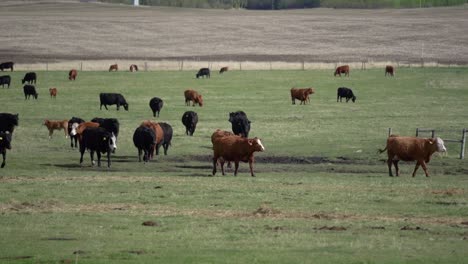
<point>73,30</point>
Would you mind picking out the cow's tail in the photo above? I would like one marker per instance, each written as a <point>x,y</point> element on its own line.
<point>382,150</point>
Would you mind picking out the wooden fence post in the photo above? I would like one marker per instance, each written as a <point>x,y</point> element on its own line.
<point>389,131</point>
<point>433,133</point>
<point>81,66</point>
<point>417,132</point>
<point>463,141</point>
<point>146,66</point>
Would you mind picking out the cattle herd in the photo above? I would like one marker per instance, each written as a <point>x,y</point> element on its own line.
<point>100,134</point>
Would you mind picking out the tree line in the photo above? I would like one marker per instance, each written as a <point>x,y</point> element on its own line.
<point>289,4</point>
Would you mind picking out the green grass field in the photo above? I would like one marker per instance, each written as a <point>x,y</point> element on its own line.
<point>321,195</point>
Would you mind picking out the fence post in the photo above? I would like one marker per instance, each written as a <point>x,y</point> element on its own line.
<point>146,66</point>
<point>389,131</point>
<point>240,66</point>
<point>81,66</point>
<point>433,133</point>
<point>417,132</point>
<point>463,141</point>
<point>47,66</point>
<point>303,66</point>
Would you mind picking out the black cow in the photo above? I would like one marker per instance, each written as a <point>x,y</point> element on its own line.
<point>6,65</point>
<point>29,90</point>
<point>111,99</point>
<point>144,140</point>
<point>5,79</point>
<point>240,123</point>
<point>29,77</point>
<point>203,72</point>
<point>73,120</point>
<point>190,120</point>
<point>5,143</point>
<point>156,105</point>
<point>8,122</point>
<point>111,124</point>
<point>346,93</point>
<point>99,140</point>
<point>167,129</point>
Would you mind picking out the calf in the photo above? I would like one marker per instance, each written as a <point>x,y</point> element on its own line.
<point>240,123</point>
<point>167,131</point>
<point>5,79</point>
<point>232,148</point>
<point>194,97</point>
<point>223,69</point>
<point>111,99</point>
<point>389,70</point>
<point>301,94</point>
<point>5,143</point>
<point>203,72</point>
<point>8,122</point>
<point>97,140</point>
<point>133,68</point>
<point>346,93</point>
<point>144,140</point>
<point>190,120</point>
<point>56,125</point>
<point>29,90</point>
<point>342,69</point>
<point>72,74</point>
<point>6,65</point>
<point>158,132</point>
<point>53,92</point>
<point>74,121</point>
<point>114,67</point>
<point>29,77</point>
<point>156,105</point>
<point>411,149</point>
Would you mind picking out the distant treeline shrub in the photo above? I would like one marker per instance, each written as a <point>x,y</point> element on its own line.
<point>287,4</point>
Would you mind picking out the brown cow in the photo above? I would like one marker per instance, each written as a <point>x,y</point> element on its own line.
<point>223,69</point>
<point>56,125</point>
<point>389,70</point>
<point>72,74</point>
<point>411,149</point>
<point>114,67</point>
<point>159,135</point>
<point>235,148</point>
<point>133,68</point>
<point>192,95</point>
<point>53,92</point>
<point>342,69</point>
<point>220,134</point>
<point>77,129</point>
<point>301,94</point>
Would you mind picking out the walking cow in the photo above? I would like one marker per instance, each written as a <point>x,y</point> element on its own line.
<point>240,123</point>
<point>156,105</point>
<point>97,140</point>
<point>144,140</point>
<point>190,120</point>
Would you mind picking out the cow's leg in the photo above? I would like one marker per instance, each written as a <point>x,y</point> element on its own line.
<point>105,106</point>
<point>215,161</point>
<point>50,133</point>
<point>293,101</point>
<point>423,165</point>
<point>139,155</point>
<point>397,169</point>
<point>91,154</point>
<point>118,107</point>
<point>82,151</point>
<point>416,167</point>
<point>251,168</point>
<point>389,163</point>
<point>98,153</point>
<point>221,164</point>
<point>100,107</point>
<point>157,148</point>
<point>108,159</point>
<point>71,142</point>
<point>165,146</point>
<point>4,157</point>
<point>236,167</point>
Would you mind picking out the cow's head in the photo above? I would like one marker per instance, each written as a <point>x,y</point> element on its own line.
<point>74,127</point>
<point>200,100</point>
<point>125,106</point>
<point>439,143</point>
<point>35,95</point>
<point>256,143</point>
<point>113,143</point>
<point>354,99</point>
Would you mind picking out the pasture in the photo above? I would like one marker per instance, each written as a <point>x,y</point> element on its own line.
<point>321,194</point>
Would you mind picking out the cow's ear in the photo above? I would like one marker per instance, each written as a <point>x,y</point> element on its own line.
<point>430,141</point>
<point>250,141</point>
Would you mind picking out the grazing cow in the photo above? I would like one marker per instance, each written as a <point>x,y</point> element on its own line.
<point>233,148</point>
<point>240,123</point>
<point>342,69</point>
<point>114,67</point>
<point>411,149</point>
<point>97,140</point>
<point>8,122</point>
<point>158,132</point>
<point>111,99</point>
<point>156,105</point>
<point>56,125</point>
<point>192,95</point>
<point>29,77</point>
<point>389,70</point>
<point>72,74</point>
<point>223,69</point>
<point>29,90</point>
<point>5,143</point>
<point>6,65</point>
<point>203,72</point>
<point>133,68</point>
<point>74,121</point>
<point>301,94</point>
<point>144,140</point>
<point>5,79</point>
<point>190,120</point>
<point>53,92</point>
<point>167,131</point>
<point>346,93</point>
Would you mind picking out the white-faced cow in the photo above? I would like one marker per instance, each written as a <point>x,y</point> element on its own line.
<point>97,140</point>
